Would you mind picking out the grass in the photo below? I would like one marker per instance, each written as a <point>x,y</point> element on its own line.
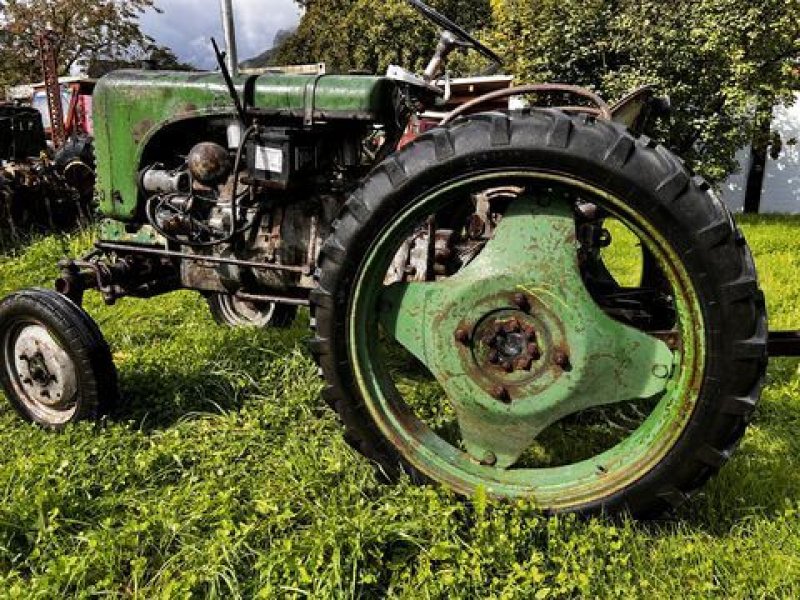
<point>224,476</point>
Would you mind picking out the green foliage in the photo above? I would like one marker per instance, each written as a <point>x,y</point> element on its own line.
<point>224,476</point>
<point>718,60</point>
<point>101,28</point>
<point>365,35</point>
<point>715,59</point>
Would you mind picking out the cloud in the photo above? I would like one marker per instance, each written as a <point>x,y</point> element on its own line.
<point>187,26</point>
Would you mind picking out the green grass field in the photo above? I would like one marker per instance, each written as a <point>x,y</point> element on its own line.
<point>224,476</point>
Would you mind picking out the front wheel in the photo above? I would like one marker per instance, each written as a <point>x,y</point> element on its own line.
<point>466,337</point>
<point>55,366</point>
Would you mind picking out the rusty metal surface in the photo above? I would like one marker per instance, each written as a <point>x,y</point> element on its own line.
<point>539,88</point>
<point>47,50</point>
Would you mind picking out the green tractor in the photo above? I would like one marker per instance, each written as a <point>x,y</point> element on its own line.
<point>472,324</point>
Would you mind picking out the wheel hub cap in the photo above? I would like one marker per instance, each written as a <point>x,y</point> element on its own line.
<point>45,372</point>
<point>531,345</point>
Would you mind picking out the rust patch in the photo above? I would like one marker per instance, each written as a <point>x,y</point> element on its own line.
<point>141,129</point>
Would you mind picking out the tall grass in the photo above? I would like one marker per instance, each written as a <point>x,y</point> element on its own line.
<point>223,476</point>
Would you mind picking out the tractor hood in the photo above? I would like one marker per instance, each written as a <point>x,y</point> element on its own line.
<point>132,107</point>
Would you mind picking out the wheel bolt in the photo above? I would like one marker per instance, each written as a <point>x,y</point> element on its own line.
<point>524,363</point>
<point>499,392</point>
<point>508,366</point>
<point>534,352</point>
<point>489,459</point>
<point>562,360</point>
<point>462,335</point>
<point>521,302</point>
<point>494,357</point>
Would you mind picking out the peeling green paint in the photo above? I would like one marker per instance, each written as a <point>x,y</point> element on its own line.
<point>130,107</point>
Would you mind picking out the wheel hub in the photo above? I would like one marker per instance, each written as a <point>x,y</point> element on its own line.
<point>45,372</point>
<point>507,342</point>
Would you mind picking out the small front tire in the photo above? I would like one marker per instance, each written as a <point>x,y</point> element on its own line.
<point>55,366</point>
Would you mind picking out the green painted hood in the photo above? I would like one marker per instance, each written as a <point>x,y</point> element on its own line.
<point>130,107</point>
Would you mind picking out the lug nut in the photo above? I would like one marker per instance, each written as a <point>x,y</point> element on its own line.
<point>562,360</point>
<point>524,363</point>
<point>462,335</point>
<point>512,326</point>
<point>508,366</point>
<point>534,352</point>
<point>494,357</point>
<point>489,459</point>
<point>499,392</point>
<point>521,302</point>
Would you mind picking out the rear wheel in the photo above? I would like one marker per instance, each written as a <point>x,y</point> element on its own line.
<point>55,366</point>
<point>231,311</point>
<point>508,360</point>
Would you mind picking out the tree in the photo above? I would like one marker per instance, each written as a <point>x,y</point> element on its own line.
<point>158,57</point>
<point>718,60</point>
<point>107,28</point>
<point>365,35</point>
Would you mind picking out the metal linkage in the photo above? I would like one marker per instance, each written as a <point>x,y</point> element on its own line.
<point>783,343</point>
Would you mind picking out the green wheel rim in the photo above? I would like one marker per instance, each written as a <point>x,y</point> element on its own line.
<point>560,487</point>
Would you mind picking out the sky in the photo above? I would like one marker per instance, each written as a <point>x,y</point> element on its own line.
<point>186,26</point>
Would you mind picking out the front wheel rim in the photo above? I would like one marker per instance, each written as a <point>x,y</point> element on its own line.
<point>42,373</point>
<point>562,487</point>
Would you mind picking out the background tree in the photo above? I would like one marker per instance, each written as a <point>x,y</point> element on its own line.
<point>156,57</point>
<point>107,28</point>
<point>366,35</point>
<point>718,60</point>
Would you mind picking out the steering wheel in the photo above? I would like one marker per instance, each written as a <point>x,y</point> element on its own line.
<point>448,25</point>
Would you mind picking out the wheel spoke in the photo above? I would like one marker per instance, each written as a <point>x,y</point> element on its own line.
<point>516,340</point>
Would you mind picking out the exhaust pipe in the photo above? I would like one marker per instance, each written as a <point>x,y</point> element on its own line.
<point>229,29</point>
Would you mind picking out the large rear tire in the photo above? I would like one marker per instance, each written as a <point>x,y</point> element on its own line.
<point>693,424</point>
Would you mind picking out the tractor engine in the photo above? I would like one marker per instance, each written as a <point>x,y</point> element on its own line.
<point>264,195</point>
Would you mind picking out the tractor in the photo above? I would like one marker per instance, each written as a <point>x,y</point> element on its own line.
<point>472,320</point>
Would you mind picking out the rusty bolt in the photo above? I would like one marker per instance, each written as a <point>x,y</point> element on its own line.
<point>534,351</point>
<point>462,335</point>
<point>494,357</point>
<point>521,302</point>
<point>562,360</point>
<point>512,326</point>
<point>489,459</point>
<point>523,363</point>
<point>499,392</point>
<point>508,366</point>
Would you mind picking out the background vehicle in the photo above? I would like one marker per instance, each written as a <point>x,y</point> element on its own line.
<point>471,322</point>
<point>46,171</point>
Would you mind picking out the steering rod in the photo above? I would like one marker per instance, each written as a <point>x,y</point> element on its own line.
<point>448,42</point>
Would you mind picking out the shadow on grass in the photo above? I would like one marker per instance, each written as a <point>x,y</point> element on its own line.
<point>218,377</point>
